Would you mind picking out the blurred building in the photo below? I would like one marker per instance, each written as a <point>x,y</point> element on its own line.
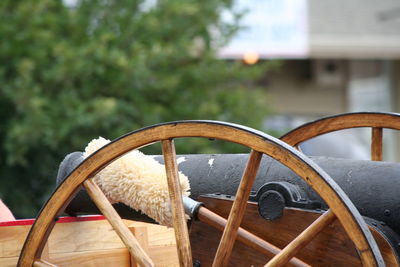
<point>338,56</point>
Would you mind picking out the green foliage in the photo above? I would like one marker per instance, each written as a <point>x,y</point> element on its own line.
<point>104,68</point>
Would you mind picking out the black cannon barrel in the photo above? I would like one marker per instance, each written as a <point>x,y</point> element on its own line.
<point>373,187</point>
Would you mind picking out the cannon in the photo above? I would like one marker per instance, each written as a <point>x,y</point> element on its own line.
<point>216,177</point>
<point>282,207</point>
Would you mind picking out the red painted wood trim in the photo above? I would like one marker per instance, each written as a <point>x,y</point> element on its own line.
<point>60,220</point>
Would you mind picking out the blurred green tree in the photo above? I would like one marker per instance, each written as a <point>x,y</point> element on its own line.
<point>70,73</point>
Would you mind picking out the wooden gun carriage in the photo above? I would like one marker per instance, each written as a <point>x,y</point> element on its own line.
<point>283,210</point>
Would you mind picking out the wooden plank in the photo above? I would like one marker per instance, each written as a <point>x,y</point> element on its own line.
<point>237,211</point>
<point>158,235</point>
<point>115,220</point>
<point>247,238</point>
<point>141,235</point>
<point>8,262</point>
<point>84,241</point>
<point>166,255</point>
<point>332,247</point>
<point>84,236</point>
<point>161,243</point>
<point>12,239</point>
<point>376,144</point>
<point>161,235</point>
<point>178,213</point>
<point>43,263</point>
<point>162,255</point>
<point>302,240</point>
<point>109,258</point>
<point>66,237</point>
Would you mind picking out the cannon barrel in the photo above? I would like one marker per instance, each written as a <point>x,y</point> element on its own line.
<point>372,186</point>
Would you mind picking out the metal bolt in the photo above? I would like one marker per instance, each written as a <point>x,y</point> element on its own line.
<point>387,212</point>
<point>196,263</point>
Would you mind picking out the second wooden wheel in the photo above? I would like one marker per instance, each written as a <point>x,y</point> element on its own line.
<point>341,207</point>
<point>374,120</point>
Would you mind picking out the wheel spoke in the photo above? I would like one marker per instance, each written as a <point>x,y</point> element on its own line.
<point>237,211</point>
<point>376,144</point>
<point>115,220</point>
<point>302,239</point>
<point>207,216</point>
<point>175,195</point>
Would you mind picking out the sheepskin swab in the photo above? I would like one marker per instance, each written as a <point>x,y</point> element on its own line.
<point>138,181</point>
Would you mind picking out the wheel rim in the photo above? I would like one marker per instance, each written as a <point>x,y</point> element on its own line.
<point>257,141</point>
<point>375,120</point>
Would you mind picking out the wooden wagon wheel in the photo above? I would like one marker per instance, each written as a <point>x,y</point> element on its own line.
<point>259,143</point>
<point>375,120</point>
